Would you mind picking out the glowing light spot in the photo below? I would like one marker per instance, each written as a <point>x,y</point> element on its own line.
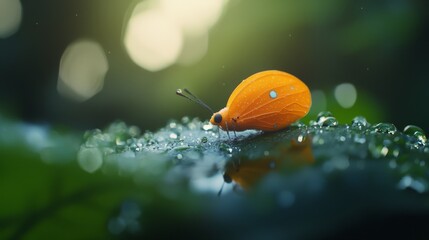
<point>161,33</point>
<point>194,48</point>
<point>152,39</point>
<point>194,16</point>
<point>10,17</point>
<point>83,67</point>
<point>273,94</point>
<point>346,95</point>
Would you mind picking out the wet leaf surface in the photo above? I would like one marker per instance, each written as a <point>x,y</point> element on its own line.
<point>321,180</point>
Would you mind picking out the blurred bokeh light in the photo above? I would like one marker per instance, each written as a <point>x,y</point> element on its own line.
<point>10,17</point>
<point>160,33</point>
<point>83,67</point>
<point>345,94</point>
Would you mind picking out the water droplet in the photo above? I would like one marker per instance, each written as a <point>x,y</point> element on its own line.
<point>185,120</point>
<point>181,148</point>
<point>300,138</point>
<point>120,141</point>
<point>266,153</point>
<point>179,156</point>
<point>204,139</point>
<point>326,119</point>
<point>386,128</point>
<point>133,131</point>
<point>297,125</point>
<point>412,130</point>
<point>173,136</point>
<point>313,123</point>
<point>322,115</point>
<point>328,122</point>
<point>273,94</point>
<point>359,123</point>
<point>172,125</point>
<point>207,126</point>
<point>378,150</point>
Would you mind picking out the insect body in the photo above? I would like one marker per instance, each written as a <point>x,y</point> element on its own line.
<point>268,101</point>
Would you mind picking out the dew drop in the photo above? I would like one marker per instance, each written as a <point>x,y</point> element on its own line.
<point>359,123</point>
<point>412,130</point>
<point>207,126</point>
<point>387,128</point>
<point>179,156</point>
<point>133,131</point>
<point>173,136</point>
<point>326,119</point>
<point>323,114</point>
<point>377,150</point>
<point>172,125</point>
<point>185,120</point>
<point>297,125</point>
<point>329,122</point>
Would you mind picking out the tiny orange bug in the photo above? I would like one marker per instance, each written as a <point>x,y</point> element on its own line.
<point>269,101</point>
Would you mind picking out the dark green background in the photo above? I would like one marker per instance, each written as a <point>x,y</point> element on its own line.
<point>379,46</point>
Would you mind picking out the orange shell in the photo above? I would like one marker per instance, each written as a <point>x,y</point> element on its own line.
<point>269,101</point>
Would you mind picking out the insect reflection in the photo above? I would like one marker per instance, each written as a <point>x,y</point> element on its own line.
<point>285,157</point>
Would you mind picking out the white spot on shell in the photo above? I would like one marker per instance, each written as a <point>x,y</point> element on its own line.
<point>273,94</point>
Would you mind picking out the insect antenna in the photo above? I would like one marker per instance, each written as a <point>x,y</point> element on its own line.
<point>188,95</point>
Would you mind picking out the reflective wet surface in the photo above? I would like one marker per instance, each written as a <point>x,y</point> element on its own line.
<point>136,182</point>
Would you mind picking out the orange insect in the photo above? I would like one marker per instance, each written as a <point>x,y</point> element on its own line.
<point>268,101</point>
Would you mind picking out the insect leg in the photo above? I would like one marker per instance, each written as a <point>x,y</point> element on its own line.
<point>227,130</point>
